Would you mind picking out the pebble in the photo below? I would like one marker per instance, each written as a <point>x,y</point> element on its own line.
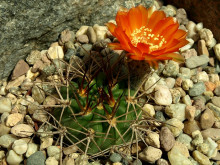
<point>81,160</point>
<point>2,155</point>
<point>70,54</point>
<point>170,82</point>
<point>20,146</point>
<point>38,158</point>
<point>148,110</point>
<point>4,117</point>
<point>214,109</point>
<point>152,139</point>
<point>82,30</point>
<point>26,84</point>
<point>188,46</point>
<point>68,160</point>
<point>13,158</point>
<point>40,116</point>
<point>51,161</point>
<point>167,139</point>
<point>91,35</point>
<point>115,157</point>
<point>4,129</point>
<point>217,51</point>
<point>190,112</point>
<point>216,101</point>
<point>38,94</point>
<point>70,149</point>
<point>66,36</point>
<point>7,140</point>
<point>186,100</point>
<point>159,116</point>
<point>33,57</point>
<point>201,158</point>
<point>175,126</point>
<point>176,111</point>
<point>202,49</point>
<point>31,149</point>
<point>55,52</point>
<point>196,61</point>
<point>150,154</point>
<point>189,53</point>
<point>5,105</point>
<point>185,139</point>
<point>197,138</point>
<point>191,126</point>
<point>15,83</point>
<point>162,162</point>
<point>217,91</point>
<point>202,76</point>
<point>176,95</point>
<point>22,130</point>
<point>199,103</point>
<point>213,133</point>
<point>20,69</point>
<point>163,95</point>
<point>83,39</point>
<point>207,36</point>
<point>192,33</point>
<point>212,151</point>
<point>49,100</point>
<point>171,69</point>
<point>53,151</point>
<point>150,84</point>
<point>181,16</point>
<point>207,119</point>
<point>197,89</point>
<point>101,32</point>
<point>185,73</point>
<point>14,119</point>
<point>210,86</point>
<point>177,157</point>
<point>38,66</point>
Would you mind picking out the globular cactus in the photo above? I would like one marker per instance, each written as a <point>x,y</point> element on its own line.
<point>101,108</point>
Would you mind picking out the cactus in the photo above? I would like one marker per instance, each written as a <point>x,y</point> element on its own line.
<point>100,109</point>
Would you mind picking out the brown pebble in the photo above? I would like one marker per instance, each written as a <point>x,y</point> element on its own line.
<point>20,69</point>
<point>191,126</point>
<point>207,119</point>
<point>83,39</point>
<point>178,82</point>
<point>202,49</point>
<point>213,133</point>
<point>210,86</point>
<point>167,139</point>
<point>190,112</point>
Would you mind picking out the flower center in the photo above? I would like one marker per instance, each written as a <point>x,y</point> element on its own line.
<point>144,35</point>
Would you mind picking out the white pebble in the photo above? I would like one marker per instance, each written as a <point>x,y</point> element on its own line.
<point>31,148</point>
<point>202,76</point>
<point>82,30</point>
<point>14,119</point>
<point>148,110</point>
<point>199,26</point>
<point>5,105</point>
<point>55,52</point>
<point>53,151</point>
<point>13,158</point>
<point>217,51</point>
<point>162,95</point>
<point>19,146</point>
<point>22,130</point>
<point>101,32</point>
<point>51,161</point>
<point>206,35</point>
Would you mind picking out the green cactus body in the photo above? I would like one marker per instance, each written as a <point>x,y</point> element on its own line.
<point>98,111</point>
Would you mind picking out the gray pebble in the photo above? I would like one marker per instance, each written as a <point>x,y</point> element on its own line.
<point>83,39</point>
<point>197,89</point>
<point>171,69</point>
<point>38,158</point>
<point>115,157</point>
<point>217,91</point>
<point>216,101</point>
<point>69,54</point>
<point>196,61</point>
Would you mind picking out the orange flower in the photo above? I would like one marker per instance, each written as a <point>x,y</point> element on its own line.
<point>147,35</point>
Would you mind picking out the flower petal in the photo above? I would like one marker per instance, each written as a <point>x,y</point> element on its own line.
<point>111,27</point>
<point>176,48</point>
<point>115,46</point>
<point>162,25</point>
<point>135,18</point>
<point>144,14</point>
<point>169,31</point>
<point>122,21</point>
<point>155,18</point>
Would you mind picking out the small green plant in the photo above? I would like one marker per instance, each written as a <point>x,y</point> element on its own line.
<point>101,108</point>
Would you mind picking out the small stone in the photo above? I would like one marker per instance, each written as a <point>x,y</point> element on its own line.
<point>15,83</point>
<point>38,158</point>
<point>14,119</point>
<point>20,69</point>
<point>202,76</point>
<point>33,57</point>
<point>213,133</point>
<point>150,84</point>
<point>49,100</point>
<point>38,94</point>
<point>31,149</point>
<point>217,51</point>
<point>152,139</point>
<point>22,130</point>
<point>81,160</point>
<point>175,95</point>
<point>82,30</point>
<point>5,105</point>
<point>190,126</point>
<point>162,162</point>
<point>148,110</point>
<point>46,142</point>
<point>83,39</point>
<point>202,49</point>
<point>159,116</point>
<point>185,73</point>
<point>115,157</point>
<point>186,100</point>
<point>100,32</point>
<point>66,36</point>
<point>171,69</point>
<point>210,86</point>
<point>20,146</point>
<point>188,46</point>
<point>201,158</point>
<point>170,82</point>
<point>53,151</point>
<point>51,161</point>
<point>70,149</point>
<point>217,91</point>
<point>181,16</point>
<point>38,66</point>
<point>163,95</point>
<point>32,76</point>
<point>207,119</point>
<point>2,155</point>
<point>206,34</point>
<point>190,112</point>
<point>197,89</point>
<point>185,139</point>
<point>175,125</point>
<point>91,35</point>
<point>216,101</point>
<point>212,151</point>
<point>189,53</point>
<point>4,129</point>
<point>55,52</point>
<point>4,117</point>
<point>199,103</point>
<point>13,158</point>
<point>150,154</point>
<point>167,139</point>
<point>7,140</point>
<point>177,156</point>
<point>68,160</point>
<point>176,111</point>
<point>197,138</point>
<point>214,109</point>
<point>40,116</point>
<point>192,33</point>
<point>196,61</point>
